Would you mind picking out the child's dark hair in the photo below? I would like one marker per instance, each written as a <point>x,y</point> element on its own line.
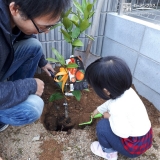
<point>37,8</point>
<point>110,73</point>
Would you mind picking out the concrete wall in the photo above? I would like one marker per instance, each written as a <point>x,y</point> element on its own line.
<point>138,43</point>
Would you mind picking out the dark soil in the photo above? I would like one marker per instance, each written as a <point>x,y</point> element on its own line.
<point>53,116</point>
<point>54,119</point>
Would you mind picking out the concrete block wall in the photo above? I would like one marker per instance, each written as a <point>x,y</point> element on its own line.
<point>138,43</point>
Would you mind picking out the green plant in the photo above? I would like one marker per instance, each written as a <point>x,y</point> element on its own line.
<point>73,24</point>
<point>63,74</point>
<point>56,96</point>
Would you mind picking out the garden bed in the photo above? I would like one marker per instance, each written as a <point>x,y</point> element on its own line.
<point>53,117</point>
<point>35,142</point>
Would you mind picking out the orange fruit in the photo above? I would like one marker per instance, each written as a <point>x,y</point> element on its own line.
<point>80,75</point>
<point>72,70</point>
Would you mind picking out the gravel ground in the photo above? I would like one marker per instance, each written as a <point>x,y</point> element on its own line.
<point>23,143</point>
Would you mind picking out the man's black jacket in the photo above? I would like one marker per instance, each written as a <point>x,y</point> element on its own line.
<point>12,93</point>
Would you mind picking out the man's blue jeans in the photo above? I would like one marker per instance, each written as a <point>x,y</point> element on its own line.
<point>27,55</point>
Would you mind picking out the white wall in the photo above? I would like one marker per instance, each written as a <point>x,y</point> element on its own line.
<point>138,43</point>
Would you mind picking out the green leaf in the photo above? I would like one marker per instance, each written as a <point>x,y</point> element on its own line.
<point>77,94</point>
<point>59,83</point>
<point>94,2</point>
<point>86,14</point>
<point>86,90</point>
<point>67,37</point>
<point>89,7</point>
<point>76,32</point>
<point>60,58</point>
<point>76,24</point>
<point>91,14</point>
<point>78,6</point>
<point>79,16</point>
<point>89,37</point>
<point>72,65</point>
<point>70,33</point>
<point>84,25</point>
<point>70,28</point>
<point>56,25</point>
<point>77,43</point>
<point>84,4</point>
<point>52,60</point>
<point>56,96</point>
<point>75,19</point>
<point>67,13</point>
<point>67,23</point>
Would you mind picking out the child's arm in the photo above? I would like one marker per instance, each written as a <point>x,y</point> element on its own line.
<point>101,109</point>
<point>94,113</point>
<point>106,115</point>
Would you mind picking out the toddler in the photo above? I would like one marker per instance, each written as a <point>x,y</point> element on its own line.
<point>126,127</point>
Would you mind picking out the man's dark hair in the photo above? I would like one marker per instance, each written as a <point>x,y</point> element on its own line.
<point>36,8</point>
<point>111,73</point>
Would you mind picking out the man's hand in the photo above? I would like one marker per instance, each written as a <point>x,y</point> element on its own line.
<point>106,115</point>
<point>47,67</point>
<point>94,113</point>
<point>40,87</point>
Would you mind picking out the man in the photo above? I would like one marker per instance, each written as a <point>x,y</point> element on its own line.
<point>20,54</point>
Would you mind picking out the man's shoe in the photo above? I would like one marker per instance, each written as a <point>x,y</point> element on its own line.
<point>3,126</point>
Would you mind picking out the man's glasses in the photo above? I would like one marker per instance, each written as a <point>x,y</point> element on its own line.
<point>47,28</point>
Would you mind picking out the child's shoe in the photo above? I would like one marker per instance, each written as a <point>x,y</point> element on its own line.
<point>97,150</point>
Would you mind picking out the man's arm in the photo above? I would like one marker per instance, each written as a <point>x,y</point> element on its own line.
<point>43,63</point>
<point>13,93</point>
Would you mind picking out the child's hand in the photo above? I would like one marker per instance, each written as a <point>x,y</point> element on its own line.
<point>94,113</point>
<point>106,115</point>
